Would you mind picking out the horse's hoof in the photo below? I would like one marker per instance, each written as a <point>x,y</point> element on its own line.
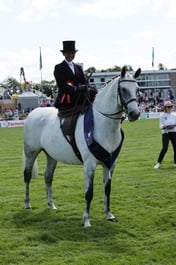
<point>52,206</point>
<point>111,217</point>
<point>114,220</point>
<point>87,223</point>
<point>28,207</point>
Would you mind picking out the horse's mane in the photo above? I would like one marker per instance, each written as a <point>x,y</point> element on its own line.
<point>110,80</point>
<point>107,84</point>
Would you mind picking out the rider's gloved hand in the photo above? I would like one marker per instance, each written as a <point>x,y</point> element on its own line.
<point>81,88</point>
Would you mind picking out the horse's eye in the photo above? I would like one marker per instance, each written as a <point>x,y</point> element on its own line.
<point>124,90</point>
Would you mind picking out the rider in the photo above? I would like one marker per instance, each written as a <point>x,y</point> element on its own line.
<point>71,81</point>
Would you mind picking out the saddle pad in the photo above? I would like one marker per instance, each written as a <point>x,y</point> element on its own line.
<point>96,149</point>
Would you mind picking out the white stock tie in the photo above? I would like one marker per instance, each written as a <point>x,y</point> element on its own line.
<point>71,65</point>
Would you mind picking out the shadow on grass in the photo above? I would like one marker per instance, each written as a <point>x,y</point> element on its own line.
<point>52,226</point>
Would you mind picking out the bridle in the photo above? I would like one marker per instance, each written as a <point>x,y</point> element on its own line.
<point>124,103</point>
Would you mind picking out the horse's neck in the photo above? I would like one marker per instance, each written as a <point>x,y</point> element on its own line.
<point>106,100</point>
<point>106,130</point>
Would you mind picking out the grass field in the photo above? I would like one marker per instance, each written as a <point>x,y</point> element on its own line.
<point>143,200</point>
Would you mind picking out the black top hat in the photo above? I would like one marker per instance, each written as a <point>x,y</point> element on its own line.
<point>69,46</point>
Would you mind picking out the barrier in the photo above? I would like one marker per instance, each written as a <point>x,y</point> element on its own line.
<point>150,115</point>
<point>10,124</point>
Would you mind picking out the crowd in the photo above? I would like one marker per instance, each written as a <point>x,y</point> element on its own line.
<point>16,113</point>
<point>151,103</point>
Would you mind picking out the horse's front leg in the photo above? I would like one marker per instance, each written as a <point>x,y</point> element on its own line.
<point>51,165</point>
<point>107,191</point>
<point>89,179</point>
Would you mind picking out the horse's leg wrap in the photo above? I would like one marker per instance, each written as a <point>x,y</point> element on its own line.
<point>107,190</point>
<point>51,165</point>
<point>49,196</point>
<point>107,195</point>
<point>27,179</point>
<point>88,198</point>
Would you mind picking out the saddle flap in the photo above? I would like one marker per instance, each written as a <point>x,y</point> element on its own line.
<point>68,125</point>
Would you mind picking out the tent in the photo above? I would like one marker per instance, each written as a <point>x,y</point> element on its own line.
<point>28,101</point>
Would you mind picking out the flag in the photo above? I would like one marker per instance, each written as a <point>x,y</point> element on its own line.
<point>21,71</point>
<point>153,57</point>
<point>40,61</point>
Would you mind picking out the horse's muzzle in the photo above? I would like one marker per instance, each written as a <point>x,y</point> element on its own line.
<point>133,115</point>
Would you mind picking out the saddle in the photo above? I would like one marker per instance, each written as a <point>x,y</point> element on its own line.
<point>68,120</point>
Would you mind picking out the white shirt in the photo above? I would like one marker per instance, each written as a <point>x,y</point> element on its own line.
<point>71,65</point>
<point>168,119</point>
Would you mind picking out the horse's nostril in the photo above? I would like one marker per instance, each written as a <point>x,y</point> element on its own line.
<point>133,115</point>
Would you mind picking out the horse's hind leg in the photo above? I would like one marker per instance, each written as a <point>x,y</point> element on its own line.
<point>89,179</point>
<point>107,191</point>
<point>29,162</point>
<point>51,165</point>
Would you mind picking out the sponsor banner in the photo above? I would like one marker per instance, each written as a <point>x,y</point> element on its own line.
<point>10,124</point>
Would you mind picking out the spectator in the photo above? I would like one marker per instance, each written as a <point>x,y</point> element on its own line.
<point>168,129</point>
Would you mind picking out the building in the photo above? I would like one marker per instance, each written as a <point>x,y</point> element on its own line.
<point>159,84</point>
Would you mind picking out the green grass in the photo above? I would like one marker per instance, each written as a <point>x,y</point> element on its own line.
<point>143,200</point>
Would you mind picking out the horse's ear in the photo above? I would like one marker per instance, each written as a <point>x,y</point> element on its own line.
<point>137,73</point>
<point>123,71</point>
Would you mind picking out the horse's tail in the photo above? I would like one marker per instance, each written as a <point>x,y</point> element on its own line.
<point>34,169</point>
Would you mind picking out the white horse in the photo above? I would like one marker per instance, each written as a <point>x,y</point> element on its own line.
<point>42,132</point>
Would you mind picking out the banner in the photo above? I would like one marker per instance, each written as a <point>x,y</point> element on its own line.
<point>10,124</point>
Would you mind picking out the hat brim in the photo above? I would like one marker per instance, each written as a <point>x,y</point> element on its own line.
<point>68,51</point>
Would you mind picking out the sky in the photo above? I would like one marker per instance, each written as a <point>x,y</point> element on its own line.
<point>108,33</point>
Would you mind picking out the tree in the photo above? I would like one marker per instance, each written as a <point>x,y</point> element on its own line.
<point>129,68</point>
<point>90,70</point>
<point>161,66</point>
<point>48,88</point>
<point>117,68</point>
<point>11,84</point>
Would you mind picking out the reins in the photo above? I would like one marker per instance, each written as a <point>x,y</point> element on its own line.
<point>108,115</point>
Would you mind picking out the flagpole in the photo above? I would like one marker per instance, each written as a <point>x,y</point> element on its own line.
<point>40,67</point>
<point>153,66</point>
<point>153,57</point>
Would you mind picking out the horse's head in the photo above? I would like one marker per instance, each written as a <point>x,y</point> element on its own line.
<point>128,88</point>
